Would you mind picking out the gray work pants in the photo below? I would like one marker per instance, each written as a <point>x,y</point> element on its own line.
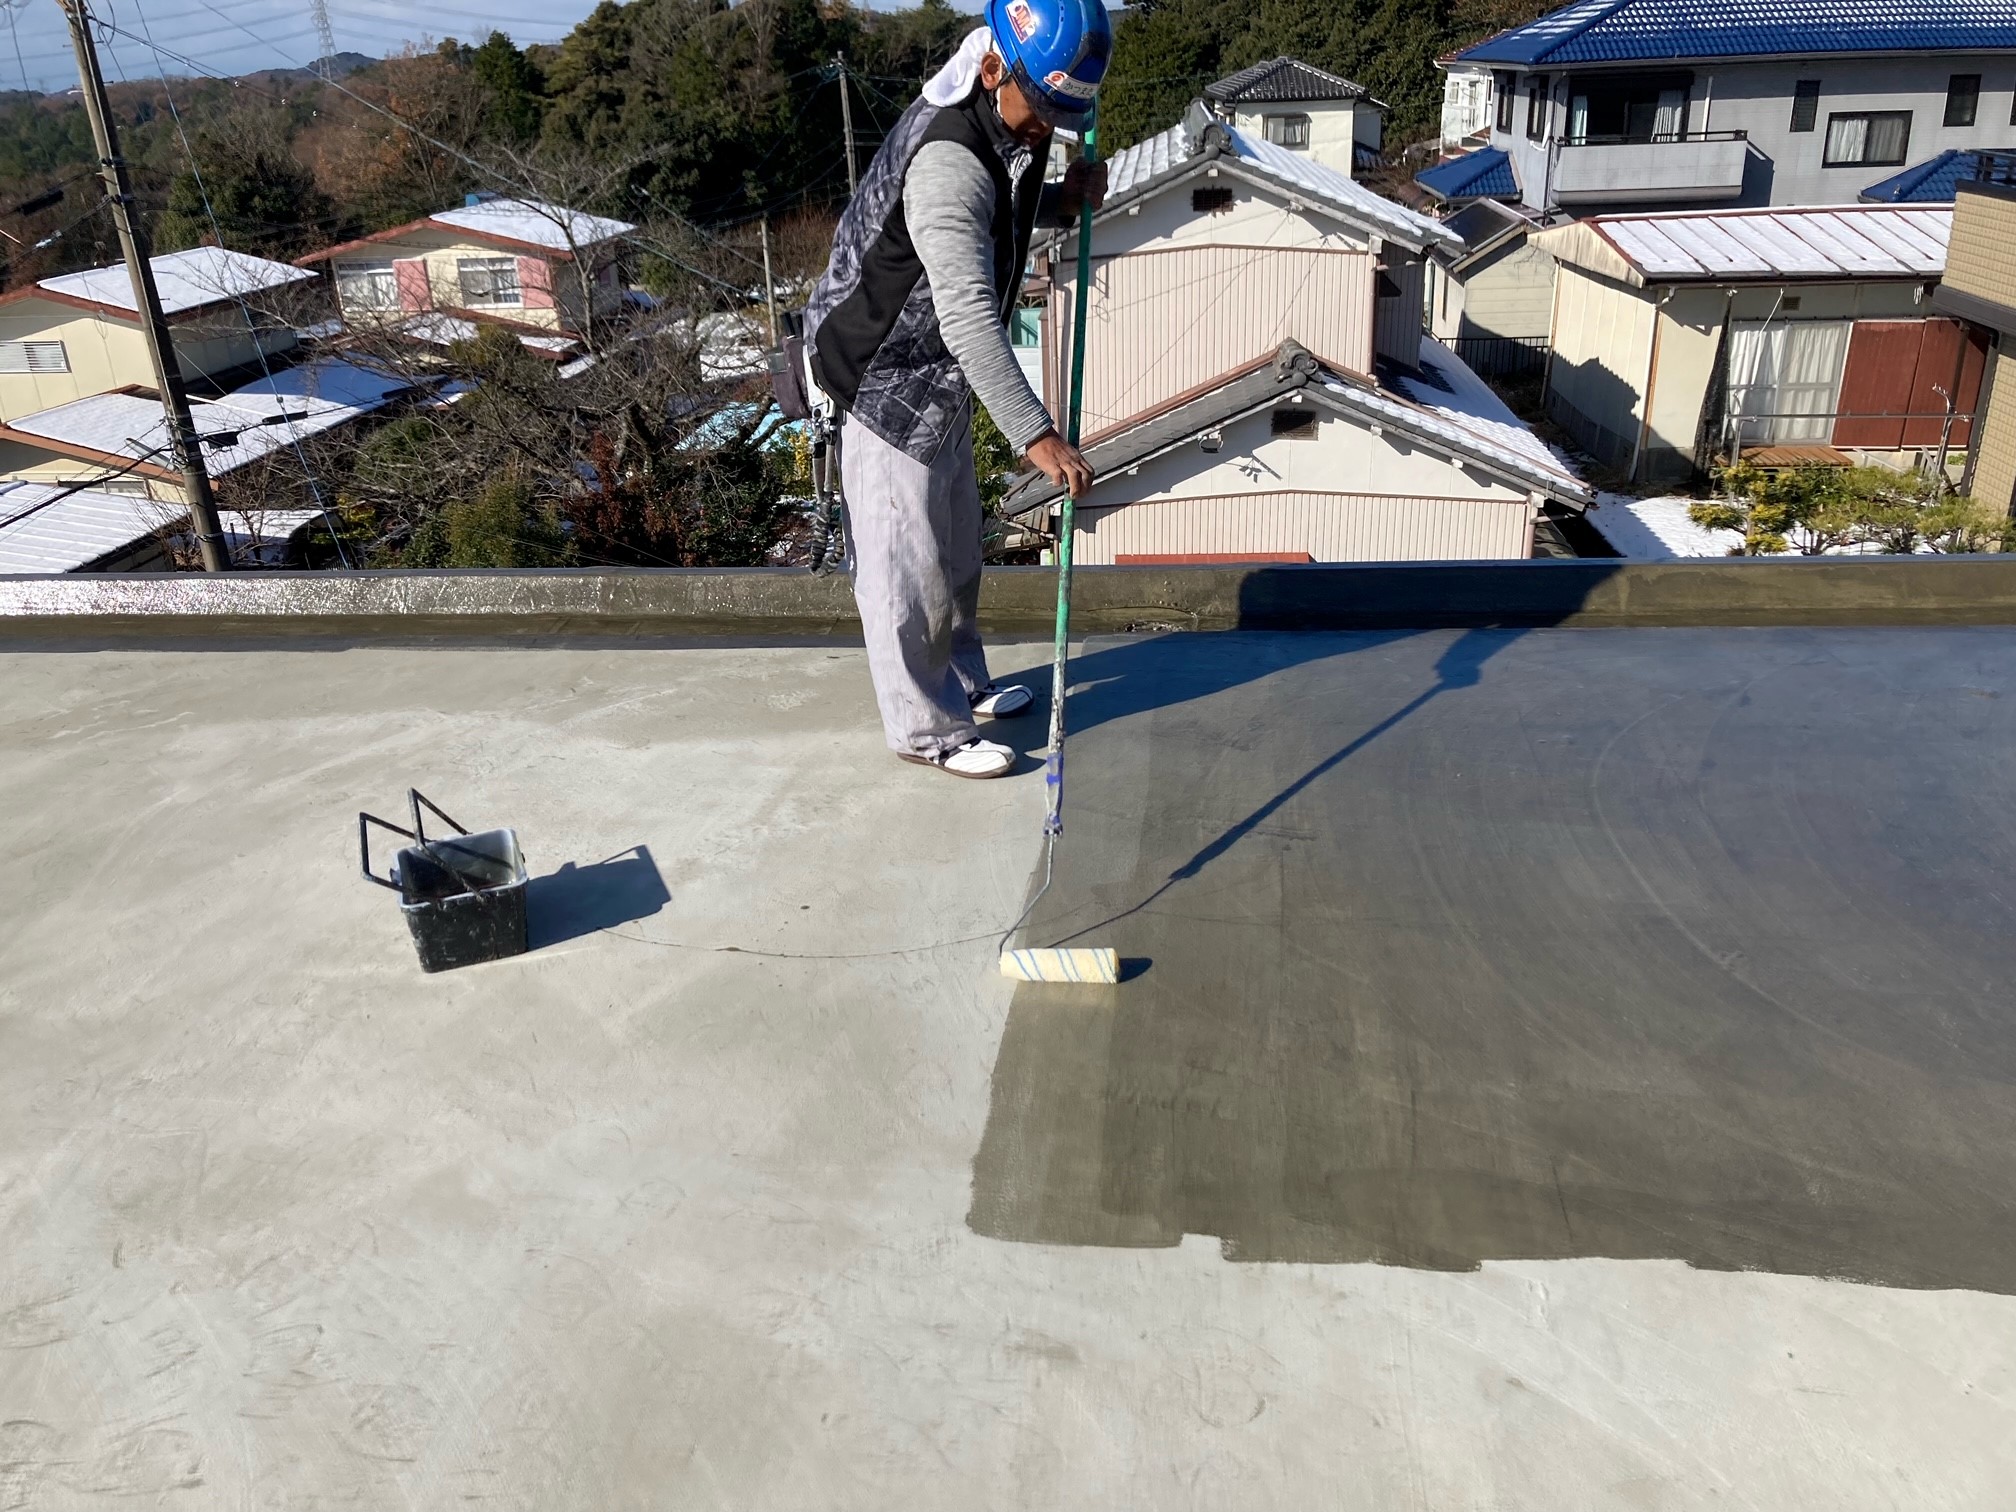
<point>917,556</point>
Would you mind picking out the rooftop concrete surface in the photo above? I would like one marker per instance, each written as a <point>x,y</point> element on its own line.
<point>1568,1068</point>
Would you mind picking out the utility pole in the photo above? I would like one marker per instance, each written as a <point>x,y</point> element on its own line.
<point>847,121</point>
<point>769,284</point>
<point>182,441</point>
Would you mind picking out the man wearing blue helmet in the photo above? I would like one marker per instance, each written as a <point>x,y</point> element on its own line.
<point>909,323</point>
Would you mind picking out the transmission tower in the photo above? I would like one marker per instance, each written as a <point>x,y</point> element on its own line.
<point>325,37</point>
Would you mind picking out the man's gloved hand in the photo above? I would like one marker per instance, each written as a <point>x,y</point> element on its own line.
<point>1062,463</point>
<point>1082,182</point>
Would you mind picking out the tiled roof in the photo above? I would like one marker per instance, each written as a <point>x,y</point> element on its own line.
<point>1615,31</point>
<point>187,280</point>
<point>1133,170</point>
<point>1446,403</point>
<point>1933,182</point>
<point>1841,241</point>
<point>534,222</point>
<point>1284,79</point>
<point>1483,174</point>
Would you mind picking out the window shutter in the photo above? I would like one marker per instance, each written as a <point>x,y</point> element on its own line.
<point>1805,104</point>
<point>410,273</point>
<point>34,357</point>
<point>535,283</point>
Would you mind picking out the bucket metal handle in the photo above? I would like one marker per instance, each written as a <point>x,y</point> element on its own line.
<point>364,823</point>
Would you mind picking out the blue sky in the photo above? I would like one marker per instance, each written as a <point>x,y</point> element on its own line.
<point>238,36</point>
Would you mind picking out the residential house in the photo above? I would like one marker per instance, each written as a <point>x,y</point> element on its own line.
<point>1790,335</point>
<point>1289,458</point>
<point>1215,246</point>
<point>1980,287</point>
<point>118,441</point>
<point>1491,296</point>
<point>1609,105</point>
<point>539,268</point>
<point>1303,108</point>
<point>77,334</point>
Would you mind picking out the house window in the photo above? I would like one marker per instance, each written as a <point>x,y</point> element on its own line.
<point>367,285</point>
<point>1289,131</point>
<point>1026,329</point>
<point>1963,99</point>
<point>1296,424</point>
<point>34,357</point>
<point>1210,201</point>
<point>1647,107</point>
<point>1536,107</point>
<point>1785,379</point>
<point>489,281</point>
<point>1506,84</point>
<point>1877,139</point>
<point>1805,104</point>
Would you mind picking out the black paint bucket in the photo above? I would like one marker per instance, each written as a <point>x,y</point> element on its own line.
<point>463,896</point>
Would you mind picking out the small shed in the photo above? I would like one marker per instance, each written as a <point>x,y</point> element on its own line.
<point>1491,298</point>
<point>1680,338</point>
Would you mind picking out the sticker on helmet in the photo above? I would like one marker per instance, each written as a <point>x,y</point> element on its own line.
<point>1059,82</point>
<point>1022,19</point>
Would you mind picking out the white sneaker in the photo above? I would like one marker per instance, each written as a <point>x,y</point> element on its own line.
<point>976,758</point>
<point>1002,703</point>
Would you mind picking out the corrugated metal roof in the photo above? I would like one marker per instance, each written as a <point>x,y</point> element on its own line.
<point>1483,174</point>
<point>1285,79</point>
<point>533,221</point>
<point>1933,182</point>
<point>42,529</point>
<point>41,532</point>
<point>1615,31</point>
<point>261,417</point>
<point>1842,241</point>
<point>1131,170</point>
<point>187,280</point>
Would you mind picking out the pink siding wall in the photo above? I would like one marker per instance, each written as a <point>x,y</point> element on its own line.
<point>535,283</point>
<point>1164,322</point>
<point>410,274</point>
<point>1331,527</point>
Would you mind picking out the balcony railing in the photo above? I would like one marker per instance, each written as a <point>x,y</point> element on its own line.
<point>1995,167</point>
<point>1666,166</point>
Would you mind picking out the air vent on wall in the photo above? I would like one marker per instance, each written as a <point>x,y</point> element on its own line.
<point>1211,201</point>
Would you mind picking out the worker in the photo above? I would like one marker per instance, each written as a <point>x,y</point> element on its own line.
<point>909,324</point>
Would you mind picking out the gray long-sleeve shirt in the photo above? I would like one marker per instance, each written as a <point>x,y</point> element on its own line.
<point>948,204</point>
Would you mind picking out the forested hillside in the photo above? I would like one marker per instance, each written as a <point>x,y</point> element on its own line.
<point>695,109</point>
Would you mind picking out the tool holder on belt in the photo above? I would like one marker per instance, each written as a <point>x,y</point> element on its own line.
<point>800,398</point>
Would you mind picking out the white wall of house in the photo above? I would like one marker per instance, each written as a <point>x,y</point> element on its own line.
<point>1335,127</point>
<point>81,352</point>
<point>24,462</point>
<point>1342,493</point>
<point>1256,217</point>
<point>1757,98</point>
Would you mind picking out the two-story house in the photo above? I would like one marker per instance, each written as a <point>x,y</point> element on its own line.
<point>1305,109</point>
<point>79,334</point>
<point>1256,381</point>
<point>1613,105</point>
<point>540,268</point>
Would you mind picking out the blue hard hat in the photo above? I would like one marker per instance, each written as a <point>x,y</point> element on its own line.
<point>1056,51</point>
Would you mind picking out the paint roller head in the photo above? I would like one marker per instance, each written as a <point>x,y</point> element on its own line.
<point>1088,965</point>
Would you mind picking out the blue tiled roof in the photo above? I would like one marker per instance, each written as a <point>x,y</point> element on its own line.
<point>1617,31</point>
<point>1929,183</point>
<point>1483,174</point>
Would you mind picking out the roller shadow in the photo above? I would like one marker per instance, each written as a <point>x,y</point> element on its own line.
<point>576,900</point>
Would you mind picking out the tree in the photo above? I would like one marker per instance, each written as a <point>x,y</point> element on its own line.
<point>253,197</point>
<point>514,89</point>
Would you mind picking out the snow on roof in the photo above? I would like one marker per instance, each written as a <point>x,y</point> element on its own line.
<point>1609,31</point>
<point>1466,408</point>
<point>1131,170</point>
<point>187,280</point>
<point>534,222</point>
<point>42,530</point>
<point>237,428</point>
<point>438,329</point>
<point>1842,241</point>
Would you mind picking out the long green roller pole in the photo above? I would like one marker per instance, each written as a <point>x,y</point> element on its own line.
<point>1053,772</point>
